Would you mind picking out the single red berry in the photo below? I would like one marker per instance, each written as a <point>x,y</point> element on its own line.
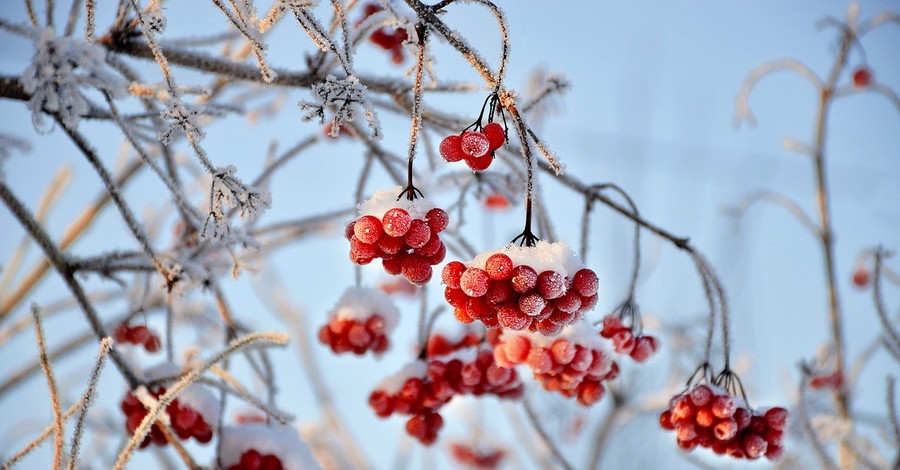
<point>451,148</point>
<point>754,446</point>
<point>419,233</point>
<point>523,278</point>
<point>251,460</point>
<point>531,304</point>
<point>474,282</point>
<point>497,201</point>
<point>495,134</point>
<point>517,349</point>
<point>480,163</point>
<point>437,219</point>
<point>540,360</point>
<point>551,285</point>
<point>585,281</point>
<point>451,274</point>
<point>152,344</point>
<point>723,406</point>
<point>776,418</point>
<point>665,420</point>
<point>701,395</point>
<point>121,333</point>
<point>367,229</point>
<point>861,276</point>
<point>395,222</point>
<point>270,462</point>
<point>512,318</point>
<point>862,77</point>
<point>474,144</point>
<point>416,269</point>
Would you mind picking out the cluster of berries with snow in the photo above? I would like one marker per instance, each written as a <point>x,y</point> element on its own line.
<point>423,387</point>
<point>470,456</point>
<point>362,321</point>
<point>262,447</point>
<point>403,233</point>
<point>540,288</point>
<point>708,416</point>
<point>476,147</point>
<point>387,38</point>
<point>574,363</point>
<point>138,335</point>
<point>628,341</point>
<point>185,420</point>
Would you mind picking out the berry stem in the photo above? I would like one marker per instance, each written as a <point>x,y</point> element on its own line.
<point>527,237</point>
<point>637,233</point>
<point>411,191</point>
<point>703,373</point>
<point>730,381</point>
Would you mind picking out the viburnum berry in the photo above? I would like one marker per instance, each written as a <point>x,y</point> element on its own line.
<point>495,135</point>
<point>259,446</point>
<point>451,148</point>
<point>476,456</point>
<point>138,335</point>
<point>387,38</point>
<point>403,233</point>
<point>623,328</point>
<point>862,77</point>
<point>361,322</point>
<point>708,416</point>
<point>861,276</point>
<point>497,201</point>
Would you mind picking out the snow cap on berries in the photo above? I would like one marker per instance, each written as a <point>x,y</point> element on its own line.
<point>386,199</point>
<point>281,441</point>
<point>544,256</point>
<point>581,333</point>
<point>195,396</point>
<point>360,303</point>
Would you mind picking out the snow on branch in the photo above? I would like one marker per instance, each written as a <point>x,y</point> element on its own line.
<point>346,97</point>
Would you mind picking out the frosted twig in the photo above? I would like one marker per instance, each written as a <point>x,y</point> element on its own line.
<point>422,33</point>
<point>171,438</point>
<point>893,417</point>
<point>873,88</point>
<point>39,439</point>
<point>241,391</point>
<point>780,200</point>
<point>72,17</point>
<point>320,37</point>
<point>51,385</point>
<point>636,241</point>
<point>554,163</point>
<point>89,21</point>
<point>87,399</point>
<point>891,334</point>
<point>345,30</point>
<point>741,103</point>
<point>251,340</point>
<point>700,264</point>
<point>818,446</point>
<point>545,438</point>
<point>255,44</point>
<point>32,16</point>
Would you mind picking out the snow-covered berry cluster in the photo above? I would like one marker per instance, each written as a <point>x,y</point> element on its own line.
<point>422,388</point>
<point>574,363</point>
<point>403,233</point>
<point>541,288</point>
<point>362,321</point>
<point>476,147</point>
<point>387,38</point>
<point>259,446</point>
<point>138,335</point>
<point>185,420</point>
<point>475,457</point>
<point>708,416</point>
<point>627,340</point>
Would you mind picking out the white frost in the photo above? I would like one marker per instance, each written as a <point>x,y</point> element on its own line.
<point>386,199</point>
<point>543,256</point>
<point>360,303</point>
<point>345,97</point>
<point>281,441</point>
<point>393,383</point>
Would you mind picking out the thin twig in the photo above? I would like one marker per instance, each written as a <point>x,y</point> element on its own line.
<point>536,424</point>
<point>51,385</point>
<point>50,429</point>
<point>87,399</point>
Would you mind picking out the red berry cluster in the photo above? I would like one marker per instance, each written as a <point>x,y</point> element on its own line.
<point>351,335</point>
<point>427,387</point>
<point>139,335</point>
<point>833,380</point>
<point>627,341</point>
<point>406,245</point>
<point>253,460</point>
<point>564,366</point>
<point>185,421</point>
<point>710,417</point>
<point>389,39</point>
<point>475,147</point>
<point>470,457</point>
<point>517,297</point>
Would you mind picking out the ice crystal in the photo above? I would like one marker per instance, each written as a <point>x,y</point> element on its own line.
<point>184,117</point>
<point>58,70</point>
<point>228,192</point>
<point>346,97</point>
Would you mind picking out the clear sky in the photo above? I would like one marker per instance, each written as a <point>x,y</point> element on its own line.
<point>651,109</point>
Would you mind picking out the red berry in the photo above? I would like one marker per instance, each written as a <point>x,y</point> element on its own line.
<point>512,318</point>
<point>755,446</point>
<point>480,163</point>
<point>776,418</point>
<point>563,351</point>
<point>395,222</point>
<point>499,292</point>
<point>452,273</point>
<point>723,406</point>
<point>644,347</point>
<point>623,342</point>
<point>611,325</point>
<point>498,266</point>
<point>523,278</point>
<point>138,334</point>
<point>419,233</point>
<point>861,276</point>
<point>474,144</point>
<point>152,344</point>
<point>251,460</point>
<point>862,77</point>
<point>474,282</point>
<point>451,148</point>
<point>540,360</point>
<point>704,417</point>
<point>121,333</point>
<point>367,229</point>
<point>531,304</point>
<point>665,420</point>
<point>726,429</point>
<point>495,134</point>
<point>496,201</point>
<point>585,281</point>
<point>701,395</point>
<point>391,245</point>
<point>270,462</point>
<point>437,219</point>
<point>551,285</point>
<point>416,269</point>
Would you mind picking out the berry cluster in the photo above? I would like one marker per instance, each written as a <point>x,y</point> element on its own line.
<point>422,388</point>
<point>185,420</point>
<point>138,335</point>
<point>254,460</point>
<point>710,417</point>
<point>627,341</point>
<point>475,147</point>
<point>833,380</point>
<point>469,456</point>
<point>521,288</point>
<point>573,364</point>
<point>361,322</point>
<point>440,345</point>
<point>389,39</point>
<point>403,233</point>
